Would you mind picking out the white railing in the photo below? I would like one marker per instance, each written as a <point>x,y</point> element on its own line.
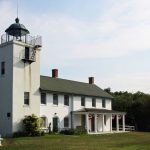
<point>127,128</point>
<point>36,40</point>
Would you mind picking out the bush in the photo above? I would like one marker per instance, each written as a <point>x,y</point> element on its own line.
<point>55,129</point>
<point>80,131</point>
<point>24,134</point>
<point>19,134</point>
<point>31,125</point>
<point>77,131</point>
<point>42,133</point>
<point>67,132</point>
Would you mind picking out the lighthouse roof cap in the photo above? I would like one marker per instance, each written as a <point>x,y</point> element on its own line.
<point>17,29</point>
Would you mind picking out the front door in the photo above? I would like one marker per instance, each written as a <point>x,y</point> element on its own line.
<point>55,124</point>
<point>92,123</point>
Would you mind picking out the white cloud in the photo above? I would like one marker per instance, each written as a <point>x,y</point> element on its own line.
<point>6,14</point>
<point>120,30</point>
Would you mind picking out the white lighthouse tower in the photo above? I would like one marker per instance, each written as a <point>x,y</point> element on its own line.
<point>19,77</point>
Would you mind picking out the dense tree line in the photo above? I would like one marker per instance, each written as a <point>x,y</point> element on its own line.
<point>137,108</point>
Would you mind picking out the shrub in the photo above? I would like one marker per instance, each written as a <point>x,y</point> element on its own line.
<point>19,134</point>
<point>67,132</point>
<point>42,133</point>
<point>24,134</point>
<point>31,125</point>
<point>55,129</point>
<point>78,131</point>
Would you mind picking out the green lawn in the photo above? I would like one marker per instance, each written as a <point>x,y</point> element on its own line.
<point>120,141</point>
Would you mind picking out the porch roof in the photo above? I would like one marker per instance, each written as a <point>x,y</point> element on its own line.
<point>99,111</point>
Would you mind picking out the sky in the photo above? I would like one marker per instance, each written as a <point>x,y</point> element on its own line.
<point>106,39</point>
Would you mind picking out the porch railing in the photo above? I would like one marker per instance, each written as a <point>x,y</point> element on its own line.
<point>127,128</point>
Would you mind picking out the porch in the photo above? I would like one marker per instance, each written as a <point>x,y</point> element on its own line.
<point>98,121</point>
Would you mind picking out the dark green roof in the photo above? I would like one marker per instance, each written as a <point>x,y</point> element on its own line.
<point>17,29</point>
<point>50,84</point>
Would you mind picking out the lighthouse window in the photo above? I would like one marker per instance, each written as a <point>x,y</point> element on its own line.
<point>2,68</point>
<point>27,52</point>
<point>26,98</point>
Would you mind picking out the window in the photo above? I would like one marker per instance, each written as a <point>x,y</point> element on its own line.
<point>66,122</point>
<point>27,52</point>
<point>8,114</point>
<point>93,102</point>
<point>82,101</point>
<point>43,122</point>
<point>66,100</point>
<point>43,98</point>
<point>105,119</point>
<point>103,103</point>
<point>55,99</point>
<point>2,68</point>
<point>26,98</point>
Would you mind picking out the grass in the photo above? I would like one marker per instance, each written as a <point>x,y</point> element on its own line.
<point>121,141</point>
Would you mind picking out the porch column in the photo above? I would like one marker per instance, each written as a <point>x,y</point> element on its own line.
<point>72,120</point>
<point>117,122</point>
<point>102,122</point>
<point>95,119</point>
<point>110,122</point>
<point>123,122</point>
<point>87,122</point>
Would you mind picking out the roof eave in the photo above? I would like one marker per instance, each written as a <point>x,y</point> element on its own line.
<point>62,92</point>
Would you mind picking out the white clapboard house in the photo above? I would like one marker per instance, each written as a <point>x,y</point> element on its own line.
<point>61,103</point>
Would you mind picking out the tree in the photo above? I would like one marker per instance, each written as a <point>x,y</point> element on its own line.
<point>137,108</point>
<point>31,125</point>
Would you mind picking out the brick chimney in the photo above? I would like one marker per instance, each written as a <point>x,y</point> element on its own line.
<point>91,80</point>
<point>54,73</point>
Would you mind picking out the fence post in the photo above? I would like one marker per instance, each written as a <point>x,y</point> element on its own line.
<point>1,140</point>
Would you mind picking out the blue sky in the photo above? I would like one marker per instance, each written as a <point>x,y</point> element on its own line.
<point>107,39</point>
